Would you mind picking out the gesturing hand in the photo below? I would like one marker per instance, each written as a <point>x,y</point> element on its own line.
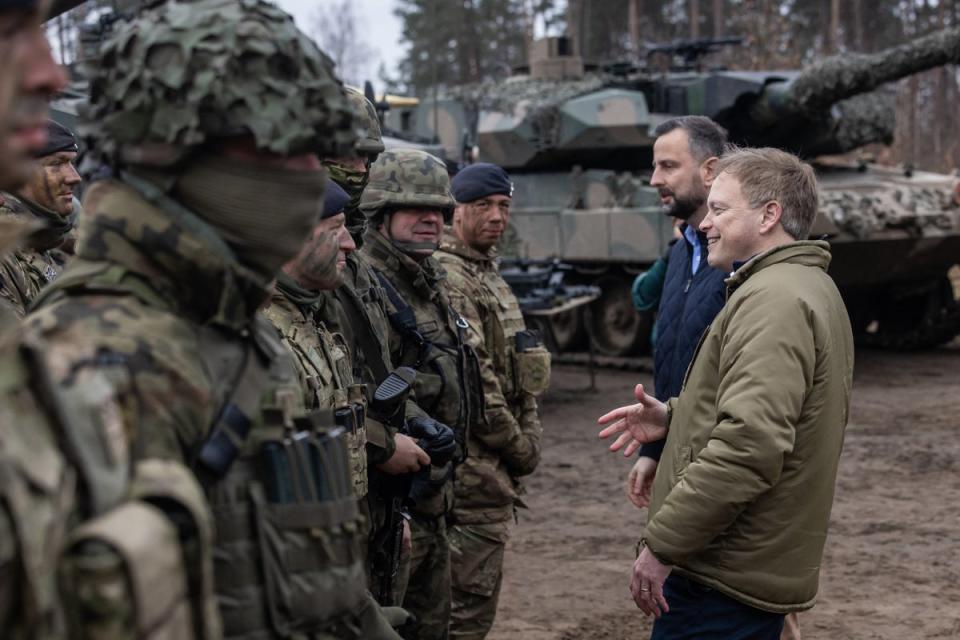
<point>638,423</point>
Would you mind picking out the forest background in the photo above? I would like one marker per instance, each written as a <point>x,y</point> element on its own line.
<point>452,42</point>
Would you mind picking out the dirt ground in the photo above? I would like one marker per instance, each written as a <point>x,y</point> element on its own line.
<point>892,561</point>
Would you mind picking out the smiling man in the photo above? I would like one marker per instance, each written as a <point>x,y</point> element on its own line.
<point>47,197</point>
<point>742,500</point>
<point>407,201</point>
<point>515,369</point>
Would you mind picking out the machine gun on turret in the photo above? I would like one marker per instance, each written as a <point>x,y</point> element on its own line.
<point>690,51</point>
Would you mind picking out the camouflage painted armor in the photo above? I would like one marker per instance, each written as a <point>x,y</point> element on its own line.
<point>501,448</point>
<point>323,368</point>
<point>25,271</point>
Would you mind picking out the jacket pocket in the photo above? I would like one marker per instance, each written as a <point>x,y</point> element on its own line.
<point>476,556</point>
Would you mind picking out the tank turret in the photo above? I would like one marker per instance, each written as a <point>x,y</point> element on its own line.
<point>833,106</point>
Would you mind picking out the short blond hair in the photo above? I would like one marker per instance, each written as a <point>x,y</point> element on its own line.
<point>770,174</point>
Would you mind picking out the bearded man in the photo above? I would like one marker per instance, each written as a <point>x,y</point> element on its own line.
<point>684,163</point>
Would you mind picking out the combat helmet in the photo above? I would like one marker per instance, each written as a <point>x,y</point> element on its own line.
<point>406,178</point>
<point>370,142</point>
<point>354,179</point>
<point>188,72</point>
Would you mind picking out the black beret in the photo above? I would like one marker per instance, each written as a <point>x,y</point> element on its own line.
<point>59,138</point>
<point>479,181</point>
<point>335,199</point>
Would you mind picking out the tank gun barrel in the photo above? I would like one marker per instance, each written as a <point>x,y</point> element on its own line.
<point>843,76</point>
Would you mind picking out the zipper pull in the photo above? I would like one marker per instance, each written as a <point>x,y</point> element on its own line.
<point>686,289</point>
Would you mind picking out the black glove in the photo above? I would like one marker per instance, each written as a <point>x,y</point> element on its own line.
<point>434,437</point>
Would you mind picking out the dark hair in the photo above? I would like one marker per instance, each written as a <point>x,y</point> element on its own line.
<point>707,138</point>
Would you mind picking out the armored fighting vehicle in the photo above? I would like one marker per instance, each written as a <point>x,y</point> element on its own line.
<point>579,148</point>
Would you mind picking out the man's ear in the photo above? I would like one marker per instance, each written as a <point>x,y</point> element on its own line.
<point>708,170</point>
<point>770,216</point>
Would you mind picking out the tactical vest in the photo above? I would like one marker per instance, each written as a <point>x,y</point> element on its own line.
<point>77,516</point>
<point>287,554</point>
<point>448,385</point>
<point>521,361</point>
<point>323,362</point>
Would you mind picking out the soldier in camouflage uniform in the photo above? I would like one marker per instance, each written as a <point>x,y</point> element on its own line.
<point>48,198</point>
<point>515,369</point>
<point>211,115</point>
<point>407,200</point>
<point>82,531</point>
<point>321,356</point>
<point>358,312</point>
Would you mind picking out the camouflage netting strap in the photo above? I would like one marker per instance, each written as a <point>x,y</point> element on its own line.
<point>184,73</point>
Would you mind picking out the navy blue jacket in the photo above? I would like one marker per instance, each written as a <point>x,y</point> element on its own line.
<point>688,305</point>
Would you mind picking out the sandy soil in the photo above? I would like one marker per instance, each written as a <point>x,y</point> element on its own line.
<point>892,564</point>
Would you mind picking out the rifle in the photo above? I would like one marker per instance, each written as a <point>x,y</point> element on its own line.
<point>388,405</point>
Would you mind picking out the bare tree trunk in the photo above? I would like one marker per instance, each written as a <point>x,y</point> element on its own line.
<point>834,32</point>
<point>858,24</point>
<point>718,19</point>
<point>574,12</point>
<point>694,18</point>
<point>633,20</point>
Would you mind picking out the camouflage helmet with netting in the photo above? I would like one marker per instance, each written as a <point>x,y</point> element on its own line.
<point>184,73</point>
<point>370,141</point>
<point>407,178</point>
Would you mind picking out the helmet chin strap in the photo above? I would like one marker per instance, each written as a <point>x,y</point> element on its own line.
<point>412,249</point>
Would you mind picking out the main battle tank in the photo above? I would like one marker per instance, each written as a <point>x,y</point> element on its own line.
<point>579,148</point>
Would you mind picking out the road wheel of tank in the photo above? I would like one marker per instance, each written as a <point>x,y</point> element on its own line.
<point>567,328</point>
<point>615,327</point>
<point>923,320</point>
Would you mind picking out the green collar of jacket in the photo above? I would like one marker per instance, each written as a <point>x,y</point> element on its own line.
<point>55,227</point>
<point>812,253</point>
<point>425,276</point>
<point>452,244</point>
<point>308,301</point>
<point>132,224</point>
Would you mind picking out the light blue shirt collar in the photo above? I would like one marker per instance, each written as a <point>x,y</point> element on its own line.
<point>694,239</point>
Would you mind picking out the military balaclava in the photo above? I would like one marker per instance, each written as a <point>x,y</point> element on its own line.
<point>264,213</point>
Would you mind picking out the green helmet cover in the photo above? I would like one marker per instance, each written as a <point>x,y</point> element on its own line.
<point>370,142</point>
<point>407,178</point>
<point>187,72</point>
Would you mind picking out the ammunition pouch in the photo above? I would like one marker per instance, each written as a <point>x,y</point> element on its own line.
<point>291,556</point>
<point>139,570</point>
<point>529,364</point>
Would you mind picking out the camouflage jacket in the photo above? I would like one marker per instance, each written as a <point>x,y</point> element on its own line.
<point>507,444</point>
<point>27,270</point>
<point>357,310</point>
<point>323,366</point>
<point>156,304</point>
<point>81,527</point>
<point>435,349</point>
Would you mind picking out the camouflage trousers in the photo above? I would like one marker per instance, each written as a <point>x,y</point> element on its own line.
<point>426,581</point>
<point>476,557</point>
